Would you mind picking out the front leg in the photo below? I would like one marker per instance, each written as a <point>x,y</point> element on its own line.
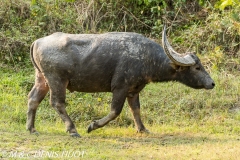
<point>133,101</point>
<point>119,97</point>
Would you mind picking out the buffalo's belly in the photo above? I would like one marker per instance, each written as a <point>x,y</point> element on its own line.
<point>87,84</point>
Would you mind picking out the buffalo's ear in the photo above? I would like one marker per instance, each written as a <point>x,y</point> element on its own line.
<point>178,68</point>
<point>174,66</point>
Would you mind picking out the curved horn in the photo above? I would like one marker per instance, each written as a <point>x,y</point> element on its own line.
<point>181,60</point>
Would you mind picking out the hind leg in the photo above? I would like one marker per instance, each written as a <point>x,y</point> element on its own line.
<point>57,98</point>
<point>35,96</point>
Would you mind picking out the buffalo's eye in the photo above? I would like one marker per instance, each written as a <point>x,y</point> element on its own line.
<point>198,68</point>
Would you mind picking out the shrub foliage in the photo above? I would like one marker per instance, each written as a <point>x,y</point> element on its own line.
<point>199,25</point>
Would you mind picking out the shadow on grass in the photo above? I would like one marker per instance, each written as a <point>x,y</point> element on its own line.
<point>169,139</point>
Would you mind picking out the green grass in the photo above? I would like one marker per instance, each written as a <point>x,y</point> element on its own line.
<point>122,143</point>
<point>184,123</point>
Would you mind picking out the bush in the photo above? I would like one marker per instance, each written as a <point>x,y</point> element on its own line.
<point>198,24</point>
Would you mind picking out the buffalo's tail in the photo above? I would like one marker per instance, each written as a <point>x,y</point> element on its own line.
<point>31,56</point>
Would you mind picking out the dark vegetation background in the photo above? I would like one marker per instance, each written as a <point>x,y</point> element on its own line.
<point>200,25</point>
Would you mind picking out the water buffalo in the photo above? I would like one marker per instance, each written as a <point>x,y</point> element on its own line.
<point>119,62</point>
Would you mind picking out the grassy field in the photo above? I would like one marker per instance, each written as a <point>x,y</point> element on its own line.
<point>184,123</point>
<point>119,143</point>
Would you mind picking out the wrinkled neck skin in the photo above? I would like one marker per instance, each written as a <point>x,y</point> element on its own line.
<point>164,70</point>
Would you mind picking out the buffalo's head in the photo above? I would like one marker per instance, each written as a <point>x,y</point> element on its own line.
<point>188,67</point>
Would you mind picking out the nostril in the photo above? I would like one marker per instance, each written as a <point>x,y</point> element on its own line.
<point>213,84</point>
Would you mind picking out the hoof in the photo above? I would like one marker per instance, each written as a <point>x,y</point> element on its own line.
<point>75,135</point>
<point>92,127</point>
<point>35,133</point>
<point>143,131</point>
